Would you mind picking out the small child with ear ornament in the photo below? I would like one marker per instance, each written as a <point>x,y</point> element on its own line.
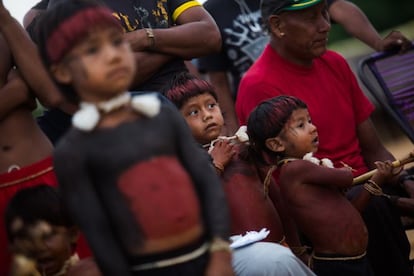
<point>281,133</point>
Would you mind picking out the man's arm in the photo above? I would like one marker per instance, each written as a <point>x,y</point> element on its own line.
<point>196,34</point>
<point>27,60</point>
<point>5,61</point>
<point>13,94</point>
<point>221,84</point>
<point>356,23</point>
<point>182,41</point>
<point>13,90</point>
<point>147,64</point>
<point>372,148</point>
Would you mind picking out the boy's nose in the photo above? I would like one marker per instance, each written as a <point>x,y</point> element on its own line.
<point>207,115</point>
<point>111,52</point>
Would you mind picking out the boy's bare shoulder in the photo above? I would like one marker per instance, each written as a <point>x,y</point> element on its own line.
<point>300,170</point>
<point>294,166</point>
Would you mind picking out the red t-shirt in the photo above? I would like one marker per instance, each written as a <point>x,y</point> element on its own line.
<point>329,88</point>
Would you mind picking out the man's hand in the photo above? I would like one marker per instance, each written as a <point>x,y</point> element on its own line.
<point>395,40</point>
<point>138,40</point>
<point>384,173</point>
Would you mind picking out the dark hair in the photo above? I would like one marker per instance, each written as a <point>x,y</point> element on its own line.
<point>185,86</point>
<point>63,25</point>
<point>270,7</point>
<point>34,204</point>
<point>268,119</point>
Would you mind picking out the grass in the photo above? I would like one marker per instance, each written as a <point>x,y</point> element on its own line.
<point>351,48</point>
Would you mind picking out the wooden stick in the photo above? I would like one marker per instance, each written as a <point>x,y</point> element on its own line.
<point>397,163</point>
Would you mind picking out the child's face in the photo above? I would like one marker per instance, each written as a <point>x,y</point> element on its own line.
<point>100,66</point>
<point>49,245</point>
<point>299,136</point>
<point>204,117</point>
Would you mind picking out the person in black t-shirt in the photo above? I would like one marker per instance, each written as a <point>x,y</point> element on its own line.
<point>159,49</point>
<point>243,40</point>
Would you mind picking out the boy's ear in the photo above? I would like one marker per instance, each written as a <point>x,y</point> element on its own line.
<point>275,144</point>
<point>61,73</point>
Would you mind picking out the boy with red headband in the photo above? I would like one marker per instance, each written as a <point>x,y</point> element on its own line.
<point>129,171</point>
<point>254,211</point>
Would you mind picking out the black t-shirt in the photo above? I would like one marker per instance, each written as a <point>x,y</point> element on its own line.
<point>135,15</point>
<point>243,37</point>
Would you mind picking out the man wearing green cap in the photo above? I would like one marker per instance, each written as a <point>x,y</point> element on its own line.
<point>243,40</point>
<point>296,62</point>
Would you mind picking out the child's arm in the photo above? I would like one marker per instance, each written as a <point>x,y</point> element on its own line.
<point>77,189</point>
<point>373,186</point>
<point>28,61</point>
<point>222,153</point>
<point>307,172</point>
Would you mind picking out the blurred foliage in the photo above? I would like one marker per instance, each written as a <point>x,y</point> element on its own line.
<point>383,14</point>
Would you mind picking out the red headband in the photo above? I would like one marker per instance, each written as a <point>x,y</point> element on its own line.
<point>72,29</point>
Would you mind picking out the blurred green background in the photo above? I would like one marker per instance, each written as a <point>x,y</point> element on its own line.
<point>385,15</point>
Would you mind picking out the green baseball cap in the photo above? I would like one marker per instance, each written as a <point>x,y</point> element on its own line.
<point>270,7</point>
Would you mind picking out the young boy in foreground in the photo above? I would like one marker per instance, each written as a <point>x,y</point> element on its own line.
<point>129,171</point>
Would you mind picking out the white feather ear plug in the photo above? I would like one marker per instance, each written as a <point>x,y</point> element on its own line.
<point>240,135</point>
<point>89,114</point>
<point>323,162</point>
<point>87,117</point>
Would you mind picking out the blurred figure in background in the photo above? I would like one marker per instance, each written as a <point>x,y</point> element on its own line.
<point>243,40</point>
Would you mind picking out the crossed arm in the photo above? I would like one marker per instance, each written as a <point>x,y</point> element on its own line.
<point>182,41</point>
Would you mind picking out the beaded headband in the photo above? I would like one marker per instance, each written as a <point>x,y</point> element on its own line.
<point>71,30</point>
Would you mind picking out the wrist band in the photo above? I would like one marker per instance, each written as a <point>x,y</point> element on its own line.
<point>218,244</point>
<point>373,188</point>
<point>151,37</point>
